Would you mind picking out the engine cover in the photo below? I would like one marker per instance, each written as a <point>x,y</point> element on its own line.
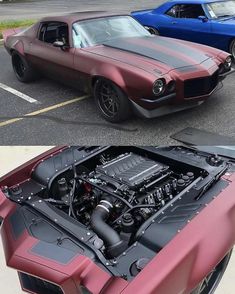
<point>131,169</point>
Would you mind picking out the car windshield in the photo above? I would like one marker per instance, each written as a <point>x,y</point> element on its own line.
<point>97,31</point>
<point>221,9</point>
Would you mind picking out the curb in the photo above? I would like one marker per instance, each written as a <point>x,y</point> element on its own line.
<point>1,42</point>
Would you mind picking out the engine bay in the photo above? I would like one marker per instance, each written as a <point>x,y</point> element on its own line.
<point>122,204</point>
<point>118,195</point>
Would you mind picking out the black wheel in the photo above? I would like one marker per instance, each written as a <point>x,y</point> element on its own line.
<point>23,71</point>
<point>232,48</point>
<point>211,282</point>
<point>112,103</point>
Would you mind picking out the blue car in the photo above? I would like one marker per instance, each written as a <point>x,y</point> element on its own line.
<point>208,22</point>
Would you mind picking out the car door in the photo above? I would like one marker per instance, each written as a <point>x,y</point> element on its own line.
<point>57,63</point>
<point>187,22</point>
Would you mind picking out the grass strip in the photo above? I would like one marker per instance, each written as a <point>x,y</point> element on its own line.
<point>12,24</point>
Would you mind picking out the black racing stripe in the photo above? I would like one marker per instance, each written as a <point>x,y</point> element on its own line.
<point>195,54</point>
<point>137,48</point>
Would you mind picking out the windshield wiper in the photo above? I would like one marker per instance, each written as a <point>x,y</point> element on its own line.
<point>226,16</point>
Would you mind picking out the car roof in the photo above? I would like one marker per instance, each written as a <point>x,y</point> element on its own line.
<point>79,16</point>
<point>196,1</point>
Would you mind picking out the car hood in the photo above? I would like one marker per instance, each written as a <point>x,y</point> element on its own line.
<point>228,21</point>
<point>156,54</point>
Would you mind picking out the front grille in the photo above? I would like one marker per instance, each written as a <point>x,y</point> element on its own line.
<point>36,285</point>
<point>200,86</point>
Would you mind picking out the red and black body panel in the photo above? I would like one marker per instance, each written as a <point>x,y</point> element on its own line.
<point>51,250</point>
<point>190,71</point>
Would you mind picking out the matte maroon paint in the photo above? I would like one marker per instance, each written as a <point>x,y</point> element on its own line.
<point>133,73</point>
<point>177,268</point>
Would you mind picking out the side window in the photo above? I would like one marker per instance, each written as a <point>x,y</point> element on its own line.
<point>51,32</point>
<point>186,11</point>
<point>174,11</point>
<point>191,11</point>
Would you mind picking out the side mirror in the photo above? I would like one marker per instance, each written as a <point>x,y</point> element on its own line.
<point>152,31</point>
<point>60,44</point>
<point>203,18</point>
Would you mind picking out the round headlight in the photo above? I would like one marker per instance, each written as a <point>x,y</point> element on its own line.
<point>228,62</point>
<point>158,87</point>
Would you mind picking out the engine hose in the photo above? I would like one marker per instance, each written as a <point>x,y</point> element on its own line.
<point>114,245</point>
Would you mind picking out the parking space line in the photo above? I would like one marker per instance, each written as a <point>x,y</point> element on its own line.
<point>40,111</point>
<point>18,94</point>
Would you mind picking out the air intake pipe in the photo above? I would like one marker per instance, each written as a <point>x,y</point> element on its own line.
<point>113,243</point>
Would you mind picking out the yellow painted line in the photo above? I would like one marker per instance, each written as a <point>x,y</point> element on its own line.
<point>40,111</point>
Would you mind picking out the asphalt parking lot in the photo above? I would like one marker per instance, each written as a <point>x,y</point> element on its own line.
<point>63,115</point>
<point>37,8</point>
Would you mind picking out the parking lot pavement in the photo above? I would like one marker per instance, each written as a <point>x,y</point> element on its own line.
<point>11,157</point>
<point>35,9</point>
<point>73,120</point>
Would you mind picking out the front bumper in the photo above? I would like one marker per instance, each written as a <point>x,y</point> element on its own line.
<point>224,75</point>
<point>165,109</point>
<point>150,108</point>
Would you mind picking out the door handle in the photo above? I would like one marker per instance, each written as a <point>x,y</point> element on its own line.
<point>174,22</point>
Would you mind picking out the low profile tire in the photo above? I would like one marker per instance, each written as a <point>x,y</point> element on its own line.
<point>211,282</point>
<point>111,101</point>
<point>23,71</point>
<point>232,48</point>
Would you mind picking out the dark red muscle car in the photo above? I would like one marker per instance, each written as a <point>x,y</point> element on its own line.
<point>112,220</point>
<point>120,62</point>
